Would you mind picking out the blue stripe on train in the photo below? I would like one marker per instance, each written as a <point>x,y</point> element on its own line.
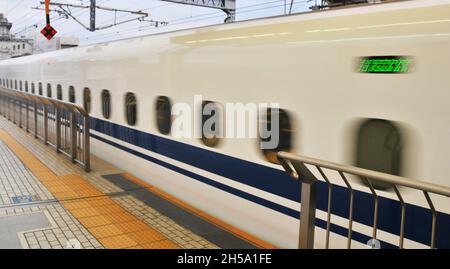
<point>418,219</point>
<point>258,200</point>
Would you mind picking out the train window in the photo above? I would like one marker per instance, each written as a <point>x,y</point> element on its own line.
<point>106,104</point>
<point>59,94</point>
<point>87,99</point>
<point>164,114</point>
<point>131,108</point>
<point>72,98</point>
<point>211,123</point>
<point>284,132</point>
<point>40,88</point>
<point>26,86</point>
<point>20,86</point>
<point>32,88</point>
<point>379,148</point>
<point>49,90</point>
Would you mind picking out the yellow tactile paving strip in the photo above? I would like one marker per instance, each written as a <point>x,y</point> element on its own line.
<point>112,225</point>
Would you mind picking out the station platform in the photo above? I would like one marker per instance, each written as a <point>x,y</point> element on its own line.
<point>47,202</point>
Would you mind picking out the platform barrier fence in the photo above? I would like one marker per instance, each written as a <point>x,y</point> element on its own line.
<point>64,126</point>
<point>310,171</point>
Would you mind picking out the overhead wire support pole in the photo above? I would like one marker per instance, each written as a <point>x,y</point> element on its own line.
<point>93,8</point>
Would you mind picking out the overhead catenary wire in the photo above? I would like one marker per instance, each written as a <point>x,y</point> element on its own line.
<point>206,16</point>
<point>184,20</point>
<point>142,29</point>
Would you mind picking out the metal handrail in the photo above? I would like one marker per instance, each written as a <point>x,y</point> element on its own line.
<point>387,178</point>
<point>295,166</point>
<point>71,124</point>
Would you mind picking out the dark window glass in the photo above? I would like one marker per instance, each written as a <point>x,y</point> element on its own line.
<point>33,91</point>
<point>211,123</point>
<point>20,86</point>
<point>40,88</point>
<point>379,148</point>
<point>59,94</point>
<point>49,90</point>
<point>284,132</point>
<point>131,108</point>
<point>15,84</point>
<point>106,104</point>
<point>163,114</point>
<point>23,46</point>
<point>26,86</point>
<point>72,98</point>
<point>87,99</point>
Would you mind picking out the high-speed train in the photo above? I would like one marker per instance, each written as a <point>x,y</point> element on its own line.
<point>367,86</point>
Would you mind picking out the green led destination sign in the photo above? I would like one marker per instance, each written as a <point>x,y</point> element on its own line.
<point>385,64</point>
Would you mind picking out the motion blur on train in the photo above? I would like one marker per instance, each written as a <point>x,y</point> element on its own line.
<point>366,86</point>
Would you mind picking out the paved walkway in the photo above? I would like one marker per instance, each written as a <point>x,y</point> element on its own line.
<point>48,202</point>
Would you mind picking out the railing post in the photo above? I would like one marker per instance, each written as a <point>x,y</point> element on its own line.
<point>36,130</point>
<point>5,106</point>
<point>73,136</point>
<point>9,108</point>
<point>45,124</point>
<point>58,128</point>
<point>20,113</point>
<point>299,171</point>
<point>86,147</point>
<point>14,110</point>
<point>27,117</point>
<point>307,215</point>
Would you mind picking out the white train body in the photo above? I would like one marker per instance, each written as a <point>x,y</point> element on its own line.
<point>306,63</point>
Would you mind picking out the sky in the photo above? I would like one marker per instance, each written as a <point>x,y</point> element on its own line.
<point>25,19</point>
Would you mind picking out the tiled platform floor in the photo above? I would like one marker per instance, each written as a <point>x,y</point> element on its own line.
<point>86,210</point>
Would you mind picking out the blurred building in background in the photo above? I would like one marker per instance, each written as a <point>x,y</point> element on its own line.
<point>10,46</point>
